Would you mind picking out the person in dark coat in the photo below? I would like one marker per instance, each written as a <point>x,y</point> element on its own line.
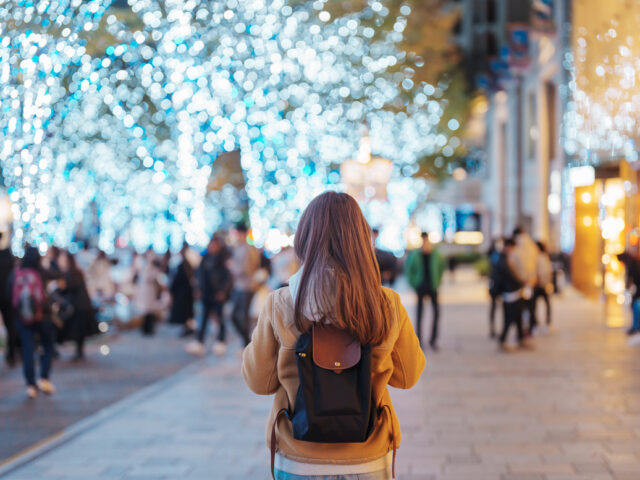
<point>494,258</point>
<point>7,262</point>
<point>632,268</point>
<point>181,289</point>
<point>81,321</point>
<point>215,284</point>
<point>387,261</point>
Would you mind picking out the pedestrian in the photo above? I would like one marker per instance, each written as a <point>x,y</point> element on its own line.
<point>7,262</point>
<point>386,261</point>
<point>509,286</point>
<point>544,283</point>
<point>146,291</point>
<point>632,267</point>
<point>336,294</point>
<point>100,284</point>
<point>215,285</point>
<point>31,315</point>
<point>80,323</point>
<point>244,264</point>
<point>494,257</point>
<point>424,268</point>
<point>181,289</point>
<point>283,265</point>
<point>524,262</point>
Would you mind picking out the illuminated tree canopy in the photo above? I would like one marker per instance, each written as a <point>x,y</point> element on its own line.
<point>126,110</point>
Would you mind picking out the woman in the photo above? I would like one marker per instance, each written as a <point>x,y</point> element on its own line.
<point>181,289</point>
<point>32,317</point>
<point>338,283</point>
<point>80,323</point>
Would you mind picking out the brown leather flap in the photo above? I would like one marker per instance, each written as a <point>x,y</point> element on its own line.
<point>334,349</point>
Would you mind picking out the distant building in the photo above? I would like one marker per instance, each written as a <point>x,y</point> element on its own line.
<point>513,51</point>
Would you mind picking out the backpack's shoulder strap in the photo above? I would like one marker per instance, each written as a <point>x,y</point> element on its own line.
<point>387,408</point>
<point>281,412</point>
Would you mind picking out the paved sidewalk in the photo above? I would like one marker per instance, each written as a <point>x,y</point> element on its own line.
<point>131,362</point>
<point>570,410</point>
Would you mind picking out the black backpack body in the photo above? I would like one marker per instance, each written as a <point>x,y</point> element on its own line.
<point>333,405</point>
<point>334,402</point>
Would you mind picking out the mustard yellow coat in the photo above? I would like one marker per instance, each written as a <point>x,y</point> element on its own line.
<point>269,367</point>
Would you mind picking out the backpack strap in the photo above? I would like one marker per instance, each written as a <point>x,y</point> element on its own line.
<point>387,408</point>
<point>285,412</point>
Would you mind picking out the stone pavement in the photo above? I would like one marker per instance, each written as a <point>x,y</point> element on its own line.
<point>570,410</point>
<point>131,362</point>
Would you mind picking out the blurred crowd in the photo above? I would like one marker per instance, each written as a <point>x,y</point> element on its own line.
<point>63,297</point>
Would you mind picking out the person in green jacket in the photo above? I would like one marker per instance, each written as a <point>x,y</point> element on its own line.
<point>424,268</point>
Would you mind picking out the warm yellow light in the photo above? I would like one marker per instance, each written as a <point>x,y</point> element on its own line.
<point>586,197</point>
<point>620,299</point>
<point>459,174</point>
<point>587,221</point>
<point>414,238</point>
<point>435,237</point>
<point>468,238</point>
<point>606,258</point>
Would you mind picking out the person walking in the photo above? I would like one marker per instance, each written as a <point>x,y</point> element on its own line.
<point>7,262</point>
<point>100,284</point>
<point>509,286</point>
<point>146,291</point>
<point>215,284</point>
<point>524,264</point>
<point>424,269</point>
<point>494,257</point>
<point>81,322</point>
<point>632,268</point>
<point>544,283</point>
<point>181,289</point>
<point>245,262</point>
<point>31,315</point>
<point>336,294</point>
<point>386,261</point>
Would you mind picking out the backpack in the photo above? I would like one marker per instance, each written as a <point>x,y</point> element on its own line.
<point>28,295</point>
<point>334,402</point>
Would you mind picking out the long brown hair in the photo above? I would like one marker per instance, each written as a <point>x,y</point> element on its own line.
<point>340,274</point>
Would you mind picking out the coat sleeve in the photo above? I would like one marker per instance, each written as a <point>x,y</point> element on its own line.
<point>260,358</point>
<point>407,356</point>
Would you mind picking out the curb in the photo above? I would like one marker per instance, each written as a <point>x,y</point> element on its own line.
<point>57,439</point>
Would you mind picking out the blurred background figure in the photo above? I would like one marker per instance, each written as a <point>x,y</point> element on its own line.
<point>544,284</point>
<point>100,284</point>
<point>181,288</point>
<point>146,291</point>
<point>509,286</point>
<point>283,265</point>
<point>245,262</point>
<point>387,261</point>
<point>524,264</point>
<point>31,312</point>
<point>424,268</point>
<point>7,261</point>
<point>85,256</point>
<point>632,267</point>
<point>80,321</point>
<point>494,258</point>
<point>215,285</point>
